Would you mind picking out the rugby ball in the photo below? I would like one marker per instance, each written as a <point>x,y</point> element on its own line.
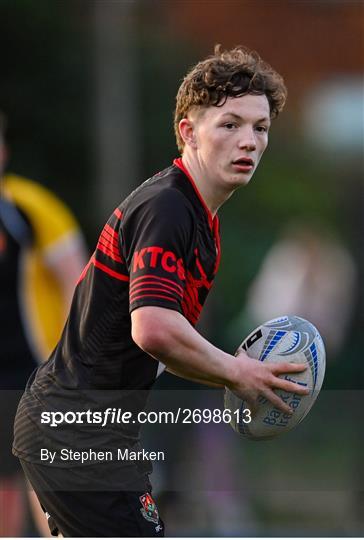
<point>285,339</point>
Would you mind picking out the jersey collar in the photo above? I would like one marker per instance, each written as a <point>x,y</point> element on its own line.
<point>213,221</point>
<point>179,163</point>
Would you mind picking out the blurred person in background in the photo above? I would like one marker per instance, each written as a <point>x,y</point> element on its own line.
<point>42,253</point>
<point>137,303</point>
<point>307,272</point>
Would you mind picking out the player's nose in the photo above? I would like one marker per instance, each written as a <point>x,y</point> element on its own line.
<point>247,139</point>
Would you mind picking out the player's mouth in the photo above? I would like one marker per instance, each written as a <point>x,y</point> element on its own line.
<point>243,164</point>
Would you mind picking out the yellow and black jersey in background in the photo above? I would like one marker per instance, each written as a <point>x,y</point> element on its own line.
<point>35,228</point>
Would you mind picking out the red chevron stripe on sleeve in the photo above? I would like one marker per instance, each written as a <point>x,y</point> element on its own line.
<point>118,213</point>
<point>159,280</point>
<point>170,298</point>
<point>109,251</point>
<point>149,286</point>
<point>155,284</point>
<point>108,243</point>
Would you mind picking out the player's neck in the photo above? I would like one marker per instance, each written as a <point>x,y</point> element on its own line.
<point>209,191</point>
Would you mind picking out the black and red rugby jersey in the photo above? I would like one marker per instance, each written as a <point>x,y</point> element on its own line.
<point>160,247</point>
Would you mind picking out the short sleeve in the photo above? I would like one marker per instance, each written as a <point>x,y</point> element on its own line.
<point>157,242</point>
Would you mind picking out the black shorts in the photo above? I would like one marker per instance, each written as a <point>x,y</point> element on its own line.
<point>96,513</point>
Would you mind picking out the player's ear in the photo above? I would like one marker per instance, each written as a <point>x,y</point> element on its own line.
<point>187,132</point>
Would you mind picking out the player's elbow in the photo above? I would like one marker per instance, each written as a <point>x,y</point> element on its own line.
<point>156,330</point>
<point>151,338</point>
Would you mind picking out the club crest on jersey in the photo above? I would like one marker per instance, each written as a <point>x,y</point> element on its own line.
<point>149,509</point>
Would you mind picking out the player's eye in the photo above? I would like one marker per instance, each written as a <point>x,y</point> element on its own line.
<point>261,129</point>
<point>230,125</point>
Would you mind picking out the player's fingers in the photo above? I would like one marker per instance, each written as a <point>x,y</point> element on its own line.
<point>289,386</point>
<point>250,398</point>
<point>287,367</point>
<point>277,401</point>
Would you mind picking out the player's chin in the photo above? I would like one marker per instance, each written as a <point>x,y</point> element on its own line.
<point>240,180</point>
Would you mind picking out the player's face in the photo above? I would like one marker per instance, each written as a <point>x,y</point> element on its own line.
<point>231,139</point>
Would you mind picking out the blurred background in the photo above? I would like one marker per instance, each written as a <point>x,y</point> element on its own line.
<point>89,87</point>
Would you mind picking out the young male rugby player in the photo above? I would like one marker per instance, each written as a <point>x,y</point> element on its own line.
<point>139,298</point>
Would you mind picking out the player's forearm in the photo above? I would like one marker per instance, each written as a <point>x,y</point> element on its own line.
<point>195,379</point>
<point>173,341</point>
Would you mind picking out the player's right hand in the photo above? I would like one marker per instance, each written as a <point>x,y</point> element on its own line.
<point>253,378</point>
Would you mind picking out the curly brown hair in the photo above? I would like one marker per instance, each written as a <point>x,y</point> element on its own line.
<point>232,73</point>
